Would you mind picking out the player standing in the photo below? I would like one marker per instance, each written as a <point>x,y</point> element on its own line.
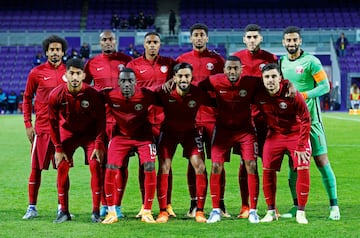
<point>253,58</point>
<point>180,108</point>
<point>103,71</point>
<point>205,62</point>
<point>77,119</point>
<point>234,127</point>
<point>306,72</point>
<point>289,132</point>
<point>41,80</point>
<point>152,69</point>
<point>129,106</point>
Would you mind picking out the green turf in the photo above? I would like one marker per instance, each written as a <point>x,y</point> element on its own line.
<point>343,135</point>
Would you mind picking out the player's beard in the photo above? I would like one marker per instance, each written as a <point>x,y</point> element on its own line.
<point>183,86</point>
<point>292,50</point>
<point>54,59</point>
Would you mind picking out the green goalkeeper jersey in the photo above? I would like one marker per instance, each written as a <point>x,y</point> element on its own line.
<point>309,77</point>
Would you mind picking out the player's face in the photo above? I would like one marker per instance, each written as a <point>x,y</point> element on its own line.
<point>107,42</point>
<point>183,79</point>
<point>55,52</point>
<point>74,77</point>
<point>199,39</point>
<point>252,40</point>
<point>152,45</point>
<point>271,79</point>
<point>127,83</point>
<point>232,69</point>
<point>292,42</point>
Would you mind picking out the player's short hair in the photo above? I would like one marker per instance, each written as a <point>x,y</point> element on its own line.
<point>54,39</point>
<point>292,29</point>
<point>233,58</point>
<point>270,66</point>
<point>76,63</point>
<point>252,27</point>
<point>182,65</point>
<point>152,33</point>
<point>199,26</point>
<point>127,70</point>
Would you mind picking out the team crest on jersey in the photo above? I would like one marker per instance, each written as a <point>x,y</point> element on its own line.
<point>85,104</point>
<point>261,66</point>
<point>192,104</point>
<point>242,93</point>
<point>138,107</point>
<point>210,66</point>
<point>163,69</point>
<point>283,105</point>
<point>64,78</point>
<point>299,69</point>
<point>121,67</point>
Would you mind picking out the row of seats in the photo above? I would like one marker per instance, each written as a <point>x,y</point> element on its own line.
<point>41,14</point>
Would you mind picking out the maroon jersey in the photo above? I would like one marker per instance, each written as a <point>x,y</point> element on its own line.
<point>80,115</point>
<point>180,111</point>
<point>252,63</point>
<point>233,100</point>
<point>131,113</point>
<point>285,115</point>
<point>41,80</point>
<point>104,70</point>
<point>204,64</point>
<point>152,73</point>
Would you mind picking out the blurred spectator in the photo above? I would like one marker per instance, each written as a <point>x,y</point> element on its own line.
<point>132,20</point>
<point>85,50</point>
<point>124,23</point>
<point>3,101</point>
<point>115,22</point>
<point>130,50</point>
<point>39,59</point>
<point>74,54</point>
<point>172,22</point>
<point>150,20</point>
<point>12,102</point>
<point>341,45</point>
<point>141,21</point>
<point>355,96</point>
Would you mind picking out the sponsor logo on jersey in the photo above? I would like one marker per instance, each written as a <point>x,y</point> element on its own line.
<point>116,105</point>
<point>242,93</point>
<point>163,69</point>
<point>172,100</point>
<point>261,66</point>
<point>192,103</point>
<point>100,68</point>
<point>222,91</point>
<point>85,104</point>
<point>121,67</point>
<point>210,66</point>
<point>283,105</point>
<point>138,107</point>
<point>142,71</point>
<point>46,78</point>
<point>299,69</point>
